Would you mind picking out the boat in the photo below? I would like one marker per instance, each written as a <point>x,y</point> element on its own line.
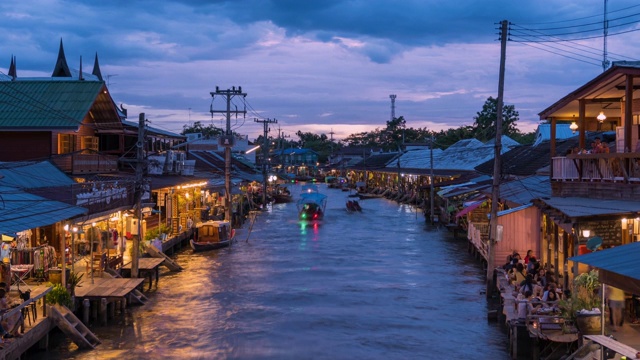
<point>353,206</point>
<point>281,195</point>
<point>365,196</point>
<point>312,204</point>
<point>211,235</point>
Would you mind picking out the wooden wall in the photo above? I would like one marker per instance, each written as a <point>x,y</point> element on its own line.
<point>521,233</point>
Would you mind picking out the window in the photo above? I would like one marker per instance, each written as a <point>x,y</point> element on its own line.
<point>89,143</point>
<point>65,143</point>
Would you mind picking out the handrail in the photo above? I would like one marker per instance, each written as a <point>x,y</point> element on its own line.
<point>24,304</point>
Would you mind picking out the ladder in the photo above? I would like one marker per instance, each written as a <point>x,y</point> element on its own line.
<point>168,262</point>
<point>73,327</point>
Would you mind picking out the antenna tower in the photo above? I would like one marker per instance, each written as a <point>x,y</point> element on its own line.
<point>605,61</point>
<point>393,106</point>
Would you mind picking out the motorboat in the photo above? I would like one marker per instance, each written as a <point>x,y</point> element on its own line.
<point>312,204</point>
<point>211,235</point>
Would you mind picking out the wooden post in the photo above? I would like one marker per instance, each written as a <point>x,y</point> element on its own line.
<point>123,305</point>
<point>94,310</point>
<point>111,307</point>
<point>103,311</point>
<point>86,308</point>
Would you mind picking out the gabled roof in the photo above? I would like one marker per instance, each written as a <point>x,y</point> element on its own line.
<point>46,104</point>
<point>376,161</point>
<point>467,154</point>
<point>522,191</point>
<point>543,133</point>
<point>603,93</point>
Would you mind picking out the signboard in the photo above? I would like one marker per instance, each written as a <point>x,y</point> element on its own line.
<point>610,232</point>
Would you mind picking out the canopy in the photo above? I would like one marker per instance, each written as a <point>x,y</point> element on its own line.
<point>24,211</point>
<point>469,208</point>
<point>618,266</point>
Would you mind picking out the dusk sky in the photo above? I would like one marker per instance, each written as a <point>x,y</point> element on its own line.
<point>325,65</point>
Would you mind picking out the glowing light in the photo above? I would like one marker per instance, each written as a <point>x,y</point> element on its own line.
<point>66,227</point>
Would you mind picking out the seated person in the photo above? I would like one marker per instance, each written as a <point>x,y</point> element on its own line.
<point>10,324</point>
<point>550,294</point>
<point>524,305</point>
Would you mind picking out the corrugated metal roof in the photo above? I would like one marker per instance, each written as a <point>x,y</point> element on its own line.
<point>28,175</point>
<point>154,131</point>
<point>580,207</point>
<point>46,104</point>
<point>21,211</point>
<point>418,159</point>
<point>543,133</point>
<point>513,210</point>
<point>522,191</point>
<point>621,261</point>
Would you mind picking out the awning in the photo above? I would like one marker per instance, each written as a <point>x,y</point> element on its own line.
<point>23,211</point>
<point>618,266</point>
<point>469,208</point>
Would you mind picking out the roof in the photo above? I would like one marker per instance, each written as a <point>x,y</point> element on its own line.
<point>59,104</point>
<point>543,132</point>
<point>619,266</point>
<point>154,131</point>
<point>22,211</point>
<point>513,210</point>
<point>522,191</point>
<point>576,207</point>
<point>30,175</point>
<point>603,93</point>
<point>376,161</point>
<point>418,158</point>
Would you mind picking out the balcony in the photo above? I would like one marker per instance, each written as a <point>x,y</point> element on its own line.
<point>86,163</point>
<point>598,176</point>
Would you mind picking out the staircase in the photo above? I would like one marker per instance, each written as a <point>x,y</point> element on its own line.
<point>136,294</point>
<point>168,262</point>
<point>73,327</point>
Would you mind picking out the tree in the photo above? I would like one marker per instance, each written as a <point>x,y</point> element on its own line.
<point>484,125</point>
<point>206,131</point>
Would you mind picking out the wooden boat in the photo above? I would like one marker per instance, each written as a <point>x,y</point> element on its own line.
<point>281,195</point>
<point>353,206</point>
<point>312,203</point>
<point>212,235</point>
<point>364,196</point>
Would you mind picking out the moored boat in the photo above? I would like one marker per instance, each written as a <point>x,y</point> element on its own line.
<point>212,235</point>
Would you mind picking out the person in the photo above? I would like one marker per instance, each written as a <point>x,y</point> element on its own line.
<point>528,256</point>
<point>541,277</point>
<point>9,324</point>
<point>524,305</point>
<point>518,274</point>
<point>527,284</point>
<point>533,265</point>
<point>616,306</point>
<point>550,294</point>
<point>189,223</point>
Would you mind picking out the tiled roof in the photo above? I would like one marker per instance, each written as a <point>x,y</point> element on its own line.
<point>46,104</point>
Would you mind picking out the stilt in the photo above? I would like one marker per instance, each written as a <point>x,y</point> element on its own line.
<point>103,311</point>
<point>94,310</point>
<point>86,308</point>
<point>111,308</point>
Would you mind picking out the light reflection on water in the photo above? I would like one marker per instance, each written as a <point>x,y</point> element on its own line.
<point>370,285</point>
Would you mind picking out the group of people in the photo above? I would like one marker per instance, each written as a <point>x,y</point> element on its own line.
<point>535,289</point>
<point>597,147</point>
<point>9,325</point>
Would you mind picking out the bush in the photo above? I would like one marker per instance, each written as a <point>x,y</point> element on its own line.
<point>59,295</point>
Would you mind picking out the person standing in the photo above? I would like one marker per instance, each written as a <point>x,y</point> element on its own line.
<point>616,306</point>
<point>528,257</point>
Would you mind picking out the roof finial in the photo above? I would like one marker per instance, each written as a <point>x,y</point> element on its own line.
<point>12,68</point>
<point>96,68</point>
<point>61,69</point>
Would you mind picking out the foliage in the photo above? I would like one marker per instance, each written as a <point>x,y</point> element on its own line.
<point>74,281</point>
<point>59,295</point>
<point>584,295</point>
<point>485,121</point>
<point>206,131</point>
<point>155,232</point>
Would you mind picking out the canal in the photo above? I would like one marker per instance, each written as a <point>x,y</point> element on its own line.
<point>370,285</point>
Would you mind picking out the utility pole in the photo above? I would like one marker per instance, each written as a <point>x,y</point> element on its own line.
<point>140,188</point>
<point>227,141</point>
<point>497,163</point>
<point>265,152</point>
<point>431,194</point>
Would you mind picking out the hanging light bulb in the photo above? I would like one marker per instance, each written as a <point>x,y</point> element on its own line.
<point>601,117</point>
<point>573,127</point>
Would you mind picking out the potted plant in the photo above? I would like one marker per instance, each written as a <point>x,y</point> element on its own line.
<point>583,308</point>
<point>59,295</point>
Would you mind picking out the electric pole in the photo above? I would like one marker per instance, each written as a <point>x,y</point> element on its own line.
<point>265,153</point>
<point>497,163</point>
<point>227,141</point>
<point>140,189</point>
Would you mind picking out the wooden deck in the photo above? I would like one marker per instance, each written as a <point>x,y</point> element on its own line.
<point>107,288</point>
<point>147,266</point>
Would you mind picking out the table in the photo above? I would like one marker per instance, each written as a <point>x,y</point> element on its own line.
<point>149,267</point>
<point>19,273</point>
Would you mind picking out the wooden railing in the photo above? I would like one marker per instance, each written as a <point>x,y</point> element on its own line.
<point>477,233</point>
<point>617,167</point>
<point>83,163</point>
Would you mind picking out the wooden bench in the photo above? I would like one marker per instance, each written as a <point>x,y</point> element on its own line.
<point>614,345</point>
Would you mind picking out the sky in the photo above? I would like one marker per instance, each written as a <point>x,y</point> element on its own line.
<point>325,66</point>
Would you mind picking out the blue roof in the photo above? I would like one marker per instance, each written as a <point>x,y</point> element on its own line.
<point>23,211</point>
<point>30,175</point>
